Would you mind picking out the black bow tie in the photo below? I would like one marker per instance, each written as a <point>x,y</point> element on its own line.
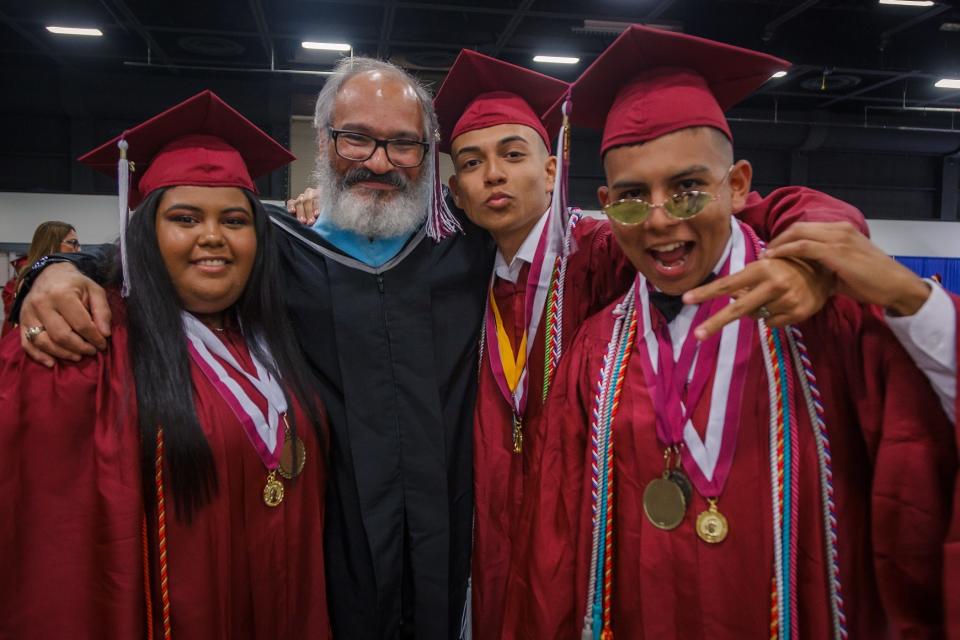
<point>670,306</point>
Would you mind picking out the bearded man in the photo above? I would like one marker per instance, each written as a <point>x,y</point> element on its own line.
<point>388,305</point>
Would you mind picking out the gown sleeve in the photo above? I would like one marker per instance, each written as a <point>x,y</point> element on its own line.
<point>951,550</point>
<point>71,508</point>
<point>771,216</point>
<point>911,445</point>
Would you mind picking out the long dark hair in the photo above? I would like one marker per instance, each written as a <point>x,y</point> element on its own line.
<point>161,361</point>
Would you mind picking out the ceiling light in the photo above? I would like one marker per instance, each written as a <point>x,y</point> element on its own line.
<point>326,46</point>
<point>948,83</point>
<point>910,3</point>
<point>75,31</point>
<point>556,59</point>
<point>779,74</point>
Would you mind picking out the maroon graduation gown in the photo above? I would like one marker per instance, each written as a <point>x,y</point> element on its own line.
<point>72,514</point>
<point>597,273</point>
<point>951,555</point>
<point>894,463</point>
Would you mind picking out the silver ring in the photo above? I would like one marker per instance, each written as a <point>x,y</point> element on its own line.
<point>763,313</point>
<point>33,332</point>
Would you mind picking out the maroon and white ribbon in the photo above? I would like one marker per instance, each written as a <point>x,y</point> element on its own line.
<point>210,353</point>
<point>678,380</point>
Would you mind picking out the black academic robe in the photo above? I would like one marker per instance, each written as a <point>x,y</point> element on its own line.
<point>395,348</point>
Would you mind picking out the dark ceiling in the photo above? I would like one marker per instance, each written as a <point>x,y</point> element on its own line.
<point>857,64</point>
<point>849,54</point>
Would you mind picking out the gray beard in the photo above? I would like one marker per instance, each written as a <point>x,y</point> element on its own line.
<point>370,213</point>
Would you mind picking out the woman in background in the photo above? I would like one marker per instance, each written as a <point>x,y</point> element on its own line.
<point>49,237</point>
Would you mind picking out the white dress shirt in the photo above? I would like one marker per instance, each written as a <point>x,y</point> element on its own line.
<point>930,337</point>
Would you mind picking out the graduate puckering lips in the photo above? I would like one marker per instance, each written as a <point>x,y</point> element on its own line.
<point>504,176</point>
<point>489,113</point>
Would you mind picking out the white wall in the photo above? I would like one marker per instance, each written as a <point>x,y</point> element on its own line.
<point>95,219</point>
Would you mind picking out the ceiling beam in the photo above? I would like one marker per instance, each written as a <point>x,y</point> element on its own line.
<point>129,18</point>
<point>33,39</point>
<point>659,10</point>
<point>386,28</point>
<point>503,11</point>
<point>771,27</point>
<point>897,101</point>
<point>870,87</point>
<point>923,17</point>
<point>511,27</point>
<point>113,14</point>
<point>949,96</point>
<point>263,28</point>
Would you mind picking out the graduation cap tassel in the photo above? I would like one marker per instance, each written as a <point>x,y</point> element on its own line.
<point>441,223</point>
<point>123,193</point>
<point>560,214</point>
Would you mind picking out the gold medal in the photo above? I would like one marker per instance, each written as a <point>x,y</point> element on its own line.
<point>273,490</point>
<point>293,457</point>
<point>712,526</point>
<point>664,504</point>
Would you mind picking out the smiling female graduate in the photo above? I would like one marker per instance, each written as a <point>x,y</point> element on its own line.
<point>787,483</point>
<point>172,486</point>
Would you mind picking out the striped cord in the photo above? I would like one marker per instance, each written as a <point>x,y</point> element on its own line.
<point>621,375</point>
<point>614,363</point>
<point>554,346</point>
<point>777,622</point>
<point>553,330</point>
<point>812,399</point>
<point>162,539</point>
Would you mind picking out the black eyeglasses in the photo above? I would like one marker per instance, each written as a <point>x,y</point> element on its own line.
<point>73,243</point>
<point>359,147</point>
<point>680,206</point>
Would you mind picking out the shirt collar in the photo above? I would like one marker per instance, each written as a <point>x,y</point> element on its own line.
<point>510,272</point>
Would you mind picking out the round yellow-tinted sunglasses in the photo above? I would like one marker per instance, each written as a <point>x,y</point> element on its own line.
<point>680,206</point>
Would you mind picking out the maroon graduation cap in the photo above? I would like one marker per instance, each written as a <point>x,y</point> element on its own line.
<point>202,141</point>
<point>651,82</point>
<point>480,92</point>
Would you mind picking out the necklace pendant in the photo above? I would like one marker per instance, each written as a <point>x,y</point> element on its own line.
<point>517,434</point>
<point>273,490</point>
<point>712,526</point>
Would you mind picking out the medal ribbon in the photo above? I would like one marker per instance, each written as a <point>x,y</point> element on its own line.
<point>722,357</point>
<point>512,365</point>
<point>509,370</point>
<point>261,429</point>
